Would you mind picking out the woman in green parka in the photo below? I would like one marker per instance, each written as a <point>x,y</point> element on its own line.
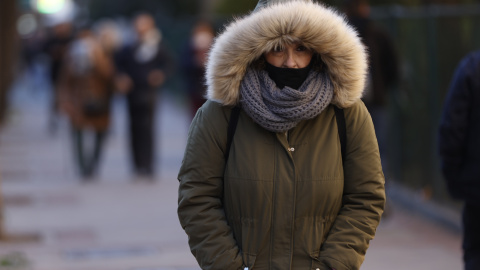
<point>284,198</point>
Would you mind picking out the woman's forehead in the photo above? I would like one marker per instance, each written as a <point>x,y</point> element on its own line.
<point>287,43</point>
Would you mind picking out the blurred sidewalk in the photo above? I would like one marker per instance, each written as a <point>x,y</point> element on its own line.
<point>121,223</point>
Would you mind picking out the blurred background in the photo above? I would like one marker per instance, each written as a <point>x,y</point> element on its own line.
<point>59,214</point>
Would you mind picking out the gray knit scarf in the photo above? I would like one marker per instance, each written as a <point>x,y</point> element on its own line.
<point>279,110</point>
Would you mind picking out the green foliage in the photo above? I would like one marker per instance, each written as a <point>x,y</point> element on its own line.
<point>14,261</point>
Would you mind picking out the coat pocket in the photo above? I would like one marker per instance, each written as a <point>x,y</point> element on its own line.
<point>320,232</point>
<point>317,264</point>
<point>252,236</point>
<point>249,260</point>
<point>311,235</point>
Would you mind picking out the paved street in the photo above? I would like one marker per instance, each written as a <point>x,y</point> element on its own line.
<point>118,222</point>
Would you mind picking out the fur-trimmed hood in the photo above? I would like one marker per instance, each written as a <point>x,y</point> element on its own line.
<point>316,26</point>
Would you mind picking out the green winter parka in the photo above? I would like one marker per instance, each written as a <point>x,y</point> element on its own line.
<point>283,200</point>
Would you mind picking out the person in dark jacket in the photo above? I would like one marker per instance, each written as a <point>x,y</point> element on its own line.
<point>459,147</point>
<point>58,41</point>
<point>194,58</point>
<point>383,71</point>
<point>283,196</point>
<point>383,59</point>
<point>143,67</point>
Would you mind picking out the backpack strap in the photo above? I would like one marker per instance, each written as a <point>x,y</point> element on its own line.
<point>342,130</point>
<point>232,126</point>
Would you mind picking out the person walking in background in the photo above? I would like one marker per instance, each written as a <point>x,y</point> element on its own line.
<point>383,71</point>
<point>193,63</point>
<point>143,67</point>
<point>107,32</point>
<point>459,148</point>
<point>264,182</point>
<point>55,47</point>
<point>85,91</point>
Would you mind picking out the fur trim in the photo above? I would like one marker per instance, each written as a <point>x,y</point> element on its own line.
<point>317,27</point>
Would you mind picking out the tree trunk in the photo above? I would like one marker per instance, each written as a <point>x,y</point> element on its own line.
<point>7,50</point>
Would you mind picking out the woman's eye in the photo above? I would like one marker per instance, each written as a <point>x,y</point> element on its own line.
<point>302,48</point>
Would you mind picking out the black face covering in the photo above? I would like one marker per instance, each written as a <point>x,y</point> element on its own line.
<point>292,77</point>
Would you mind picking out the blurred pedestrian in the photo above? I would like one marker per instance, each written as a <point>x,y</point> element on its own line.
<point>459,147</point>
<point>31,43</point>
<point>57,41</point>
<point>282,168</point>
<point>86,87</point>
<point>107,32</point>
<point>143,67</point>
<point>383,70</point>
<point>194,59</point>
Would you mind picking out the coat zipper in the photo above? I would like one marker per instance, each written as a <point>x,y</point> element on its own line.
<point>287,136</point>
<point>291,150</point>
